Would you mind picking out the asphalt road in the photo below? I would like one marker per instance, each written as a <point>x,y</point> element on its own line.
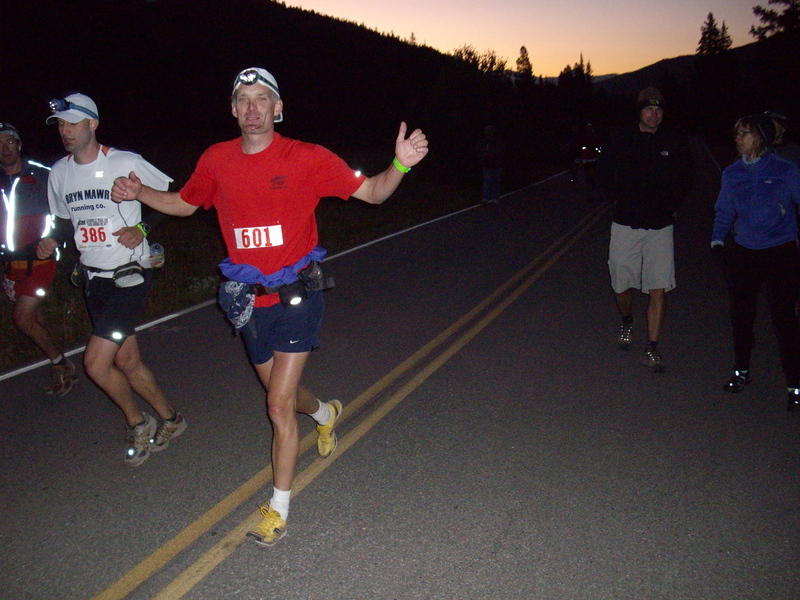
<point>495,443</point>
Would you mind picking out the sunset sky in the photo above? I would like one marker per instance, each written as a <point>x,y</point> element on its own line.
<point>615,35</point>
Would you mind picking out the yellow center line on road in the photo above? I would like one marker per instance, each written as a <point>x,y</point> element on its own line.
<point>214,556</point>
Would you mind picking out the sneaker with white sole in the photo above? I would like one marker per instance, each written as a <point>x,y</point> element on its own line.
<point>326,439</point>
<point>271,528</point>
<point>167,429</point>
<point>137,441</point>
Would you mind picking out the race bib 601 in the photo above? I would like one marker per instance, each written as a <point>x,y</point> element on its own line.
<point>258,237</point>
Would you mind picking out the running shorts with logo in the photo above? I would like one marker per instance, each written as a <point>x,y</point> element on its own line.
<point>280,328</point>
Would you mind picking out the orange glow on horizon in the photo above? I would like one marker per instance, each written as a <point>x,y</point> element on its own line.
<point>618,38</point>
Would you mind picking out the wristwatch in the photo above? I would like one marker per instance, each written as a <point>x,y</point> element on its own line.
<point>143,227</point>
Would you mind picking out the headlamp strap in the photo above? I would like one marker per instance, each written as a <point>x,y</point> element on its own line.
<point>62,104</point>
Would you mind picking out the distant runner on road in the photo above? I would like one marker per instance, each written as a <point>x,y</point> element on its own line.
<point>265,188</point>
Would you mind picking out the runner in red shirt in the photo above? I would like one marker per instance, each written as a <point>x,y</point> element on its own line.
<point>265,188</point>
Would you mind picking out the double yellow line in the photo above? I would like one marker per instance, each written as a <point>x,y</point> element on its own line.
<point>499,301</point>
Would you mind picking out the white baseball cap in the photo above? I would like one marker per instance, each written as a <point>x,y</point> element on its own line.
<point>253,75</point>
<point>73,109</point>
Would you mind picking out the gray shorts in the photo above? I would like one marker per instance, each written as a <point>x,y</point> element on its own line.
<point>641,258</point>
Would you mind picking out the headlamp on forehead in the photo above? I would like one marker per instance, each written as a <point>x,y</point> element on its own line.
<point>256,75</point>
<point>58,105</point>
<point>249,77</point>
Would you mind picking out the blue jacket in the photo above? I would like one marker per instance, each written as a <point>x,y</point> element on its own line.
<point>760,201</point>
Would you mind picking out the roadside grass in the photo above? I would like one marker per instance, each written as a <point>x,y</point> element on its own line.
<point>194,247</point>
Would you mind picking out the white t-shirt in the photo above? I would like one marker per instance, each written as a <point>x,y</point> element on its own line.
<point>82,194</point>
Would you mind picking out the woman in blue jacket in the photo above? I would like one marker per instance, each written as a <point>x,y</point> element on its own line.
<point>758,199</point>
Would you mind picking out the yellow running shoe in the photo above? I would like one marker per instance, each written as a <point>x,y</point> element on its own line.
<point>327,441</point>
<point>271,528</point>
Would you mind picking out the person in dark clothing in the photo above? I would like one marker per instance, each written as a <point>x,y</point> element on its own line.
<point>645,171</point>
<point>759,197</point>
<point>586,149</point>
<point>491,150</point>
<point>783,145</point>
<point>24,218</point>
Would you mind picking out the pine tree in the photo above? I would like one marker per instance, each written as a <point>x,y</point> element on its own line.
<point>716,71</point>
<point>524,66</point>
<point>773,22</point>
<point>577,78</point>
<point>710,36</point>
<point>725,38</point>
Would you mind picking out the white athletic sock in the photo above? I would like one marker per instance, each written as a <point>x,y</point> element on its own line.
<point>323,414</point>
<point>280,502</point>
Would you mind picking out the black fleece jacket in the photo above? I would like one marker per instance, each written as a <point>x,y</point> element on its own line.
<point>647,175</point>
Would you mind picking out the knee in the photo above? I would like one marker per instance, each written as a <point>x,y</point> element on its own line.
<point>126,363</point>
<point>24,319</point>
<point>94,368</point>
<point>281,411</point>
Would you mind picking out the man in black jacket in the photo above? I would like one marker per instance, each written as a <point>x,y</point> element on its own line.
<point>646,172</point>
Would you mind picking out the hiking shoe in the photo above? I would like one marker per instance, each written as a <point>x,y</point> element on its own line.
<point>793,399</point>
<point>166,430</point>
<point>137,441</point>
<point>271,528</point>
<point>738,380</point>
<point>653,360</point>
<point>625,336</point>
<point>63,379</point>
<point>327,440</point>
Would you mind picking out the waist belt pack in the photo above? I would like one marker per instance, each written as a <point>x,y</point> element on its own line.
<point>309,279</point>
<point>128,275</point>
<point>237,299</point>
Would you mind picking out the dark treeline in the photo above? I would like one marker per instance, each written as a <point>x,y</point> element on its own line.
<point>160,72</point>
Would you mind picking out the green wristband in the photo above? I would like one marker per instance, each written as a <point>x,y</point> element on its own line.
<point>143,227</point>
<point>400,166</point>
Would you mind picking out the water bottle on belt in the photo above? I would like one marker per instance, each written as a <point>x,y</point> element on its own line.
<point>156,258</point>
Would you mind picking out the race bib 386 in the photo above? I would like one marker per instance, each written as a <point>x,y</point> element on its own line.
<point>93,233</point>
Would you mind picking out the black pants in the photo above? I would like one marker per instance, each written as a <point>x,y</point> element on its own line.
<point>778,270</point>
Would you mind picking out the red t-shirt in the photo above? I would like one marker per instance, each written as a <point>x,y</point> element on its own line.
<point>265,202</point>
